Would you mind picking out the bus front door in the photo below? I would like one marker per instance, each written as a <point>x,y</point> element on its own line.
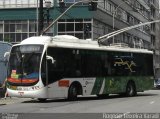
<point>54,91</point>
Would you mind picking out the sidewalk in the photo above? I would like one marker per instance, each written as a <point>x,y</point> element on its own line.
<point>12,100</point>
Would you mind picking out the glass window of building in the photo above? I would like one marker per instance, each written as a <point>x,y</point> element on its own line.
<point>1,28</point>
<point>78,28</point>
<point>17,3</point>
<point>70,2</point>
<point>16,31</point>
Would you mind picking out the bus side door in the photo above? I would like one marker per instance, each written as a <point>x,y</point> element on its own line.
<point>54,71</point>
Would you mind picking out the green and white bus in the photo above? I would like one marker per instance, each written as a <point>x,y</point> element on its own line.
<point>64,66</point>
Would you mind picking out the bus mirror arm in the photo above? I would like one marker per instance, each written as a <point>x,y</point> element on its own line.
<point>50,58</point>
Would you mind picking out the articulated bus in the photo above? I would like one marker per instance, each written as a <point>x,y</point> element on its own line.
<point>63,66</point>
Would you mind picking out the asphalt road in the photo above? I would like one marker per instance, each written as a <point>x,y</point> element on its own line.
<point>145,102</point>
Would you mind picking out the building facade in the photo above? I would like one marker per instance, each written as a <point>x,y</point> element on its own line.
<point>156,47</point>
<point>19,20</point>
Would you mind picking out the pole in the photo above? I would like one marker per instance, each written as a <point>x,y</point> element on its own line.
<point>48,17</point>
<point>60,17</point>
<point>37,18</point>
<point>114,16</point>
<point>41,18</point>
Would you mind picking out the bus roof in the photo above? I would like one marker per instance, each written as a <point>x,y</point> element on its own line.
<point>67,41</point>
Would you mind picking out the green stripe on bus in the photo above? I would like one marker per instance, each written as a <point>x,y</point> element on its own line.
<point>97,86</point>
<point>118,84</point>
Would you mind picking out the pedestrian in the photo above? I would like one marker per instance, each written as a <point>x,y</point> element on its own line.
<point>5,88</point>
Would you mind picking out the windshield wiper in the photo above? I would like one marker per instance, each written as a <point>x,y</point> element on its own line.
<point>29,56</point>
<point>20,60</point>
<point>19,57</point>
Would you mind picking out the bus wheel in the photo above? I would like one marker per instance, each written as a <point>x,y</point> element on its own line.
<point>72,93</point>
<point>42,99</point>
<point>131,89</point>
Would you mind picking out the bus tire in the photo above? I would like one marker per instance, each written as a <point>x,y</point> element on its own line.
<point>42,99</point>
<point>72,93</point>
<point>131,89</point>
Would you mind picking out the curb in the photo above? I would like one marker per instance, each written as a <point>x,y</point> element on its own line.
<point>11,100</point>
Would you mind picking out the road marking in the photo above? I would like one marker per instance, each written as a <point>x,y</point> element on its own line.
<point>126,113</point>
<point>42,109</point>
<point>122,115</point>
<point>152,102</point>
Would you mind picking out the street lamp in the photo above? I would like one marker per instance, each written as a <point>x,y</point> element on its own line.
<point>114,12</point>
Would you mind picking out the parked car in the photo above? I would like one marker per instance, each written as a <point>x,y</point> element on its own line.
<point>157,83</point>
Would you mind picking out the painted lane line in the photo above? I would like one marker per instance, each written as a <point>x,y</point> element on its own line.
<point>152,102</point>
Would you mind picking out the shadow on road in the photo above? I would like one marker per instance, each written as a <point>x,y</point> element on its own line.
<point>112,96</point>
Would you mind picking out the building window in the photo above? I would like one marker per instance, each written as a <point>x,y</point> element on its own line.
<point>70,2</point>
<point>6,27</point>
<point>70,26</point>
<point>124,16</point>
<point>16,31</point>
<point>32,27</point>
<point>78,28</point>
<point>61,27</point>
<point>18,3</point>
<point>153,27</point>
<point>1,28</point>
<point>109,8</point>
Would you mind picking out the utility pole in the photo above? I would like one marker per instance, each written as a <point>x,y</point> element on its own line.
<point>41,18</point>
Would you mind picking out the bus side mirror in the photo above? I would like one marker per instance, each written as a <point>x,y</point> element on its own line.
<point>50,58</point>
<point>6,57</point>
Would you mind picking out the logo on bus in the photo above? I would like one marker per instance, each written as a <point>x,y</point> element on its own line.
<point>21,93</point>
<point>128,64</point>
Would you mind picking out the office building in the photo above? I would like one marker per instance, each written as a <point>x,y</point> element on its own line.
<point>19,20</point>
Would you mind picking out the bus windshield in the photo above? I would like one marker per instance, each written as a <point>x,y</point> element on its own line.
<point>24,64</point>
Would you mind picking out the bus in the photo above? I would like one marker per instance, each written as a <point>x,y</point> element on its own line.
<point>64,66</point>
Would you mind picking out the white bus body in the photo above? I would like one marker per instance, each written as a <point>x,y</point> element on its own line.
<point>44,85</point>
